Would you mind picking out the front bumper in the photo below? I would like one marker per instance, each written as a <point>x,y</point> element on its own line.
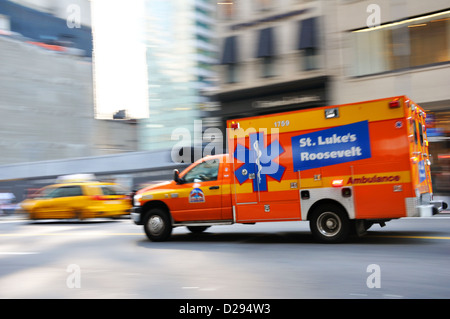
<point>136,215</point>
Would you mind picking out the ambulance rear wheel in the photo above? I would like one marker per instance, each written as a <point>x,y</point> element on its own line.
<point>157,225</point>
<point>329,223</point>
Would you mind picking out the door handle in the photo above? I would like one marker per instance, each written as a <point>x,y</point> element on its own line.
<point>214,187</point>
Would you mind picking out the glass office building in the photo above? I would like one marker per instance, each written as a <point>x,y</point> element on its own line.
<point>180,55</point>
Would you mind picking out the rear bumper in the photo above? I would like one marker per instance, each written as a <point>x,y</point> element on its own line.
<point>424,206</point>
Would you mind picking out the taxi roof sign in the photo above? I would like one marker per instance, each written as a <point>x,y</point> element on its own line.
<point>75,178</point>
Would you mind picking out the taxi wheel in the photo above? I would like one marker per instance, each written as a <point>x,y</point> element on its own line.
<point>329,223</point>
<point>157,225</point>
<point>78,214</point>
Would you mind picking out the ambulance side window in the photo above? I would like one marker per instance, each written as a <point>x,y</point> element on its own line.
<point>204,171</point>
<point>421,133</point>
<point>415,132</point>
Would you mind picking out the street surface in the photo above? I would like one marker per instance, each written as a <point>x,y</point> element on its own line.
<point>409,258</point>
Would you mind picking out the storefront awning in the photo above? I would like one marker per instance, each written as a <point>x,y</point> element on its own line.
<point>265,44</point>
<point>229,55</point>
<point>308,34</point>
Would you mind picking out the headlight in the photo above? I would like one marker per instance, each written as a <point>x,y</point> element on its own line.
<point>137,200</point>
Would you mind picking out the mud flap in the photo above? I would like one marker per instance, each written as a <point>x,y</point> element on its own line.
<point>360,227</point>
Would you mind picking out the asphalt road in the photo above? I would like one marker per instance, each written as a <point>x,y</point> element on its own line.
<point>407,259</point>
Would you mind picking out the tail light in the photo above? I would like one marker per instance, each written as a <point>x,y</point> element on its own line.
<point>100,197</point>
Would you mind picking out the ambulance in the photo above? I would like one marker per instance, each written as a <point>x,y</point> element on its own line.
<point>343,168</point>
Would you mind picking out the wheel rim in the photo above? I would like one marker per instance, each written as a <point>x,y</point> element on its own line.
<point>156,225</point>
<point>329,224</point>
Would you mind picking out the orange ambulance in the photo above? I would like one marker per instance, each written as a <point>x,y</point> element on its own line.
<point>342,168</point>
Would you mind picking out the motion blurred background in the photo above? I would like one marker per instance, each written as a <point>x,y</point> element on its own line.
<point>100,86</point>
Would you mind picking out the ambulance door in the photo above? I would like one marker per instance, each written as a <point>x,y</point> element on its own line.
<point>419,155</point>
<point>266,188</point>
<point>200,194</point>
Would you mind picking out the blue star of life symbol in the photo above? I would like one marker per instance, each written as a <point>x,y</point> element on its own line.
<point>259,162</point>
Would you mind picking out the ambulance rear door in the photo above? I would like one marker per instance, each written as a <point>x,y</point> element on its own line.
<point>420,160</point>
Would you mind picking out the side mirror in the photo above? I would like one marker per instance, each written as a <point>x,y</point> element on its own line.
<point>176,176</point>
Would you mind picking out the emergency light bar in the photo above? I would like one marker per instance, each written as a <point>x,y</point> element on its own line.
<point>331,113</point>
<point>234,125</point>
<point>394,104</point>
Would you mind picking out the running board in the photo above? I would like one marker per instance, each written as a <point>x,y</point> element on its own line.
<point>203,223</point>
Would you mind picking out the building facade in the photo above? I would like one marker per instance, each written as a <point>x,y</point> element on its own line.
<point>46,92</point>
<point>272,57</point>
<point>391,48</point>
<point>286,55</point>
<point>64,24</point>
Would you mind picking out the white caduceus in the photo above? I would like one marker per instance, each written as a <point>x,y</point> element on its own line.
<point>258,157</point>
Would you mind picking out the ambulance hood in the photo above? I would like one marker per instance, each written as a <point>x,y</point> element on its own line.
<point>157,185</point>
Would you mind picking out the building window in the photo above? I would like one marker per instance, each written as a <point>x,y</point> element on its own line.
<point>309,59</point>
<point>401,45</point>
<point>231,73</point>
<point>438,133</point>
<point>268,66</point>
<point>430,42</point>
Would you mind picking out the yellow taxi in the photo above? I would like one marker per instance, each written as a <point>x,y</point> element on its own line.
<point>77,199</point>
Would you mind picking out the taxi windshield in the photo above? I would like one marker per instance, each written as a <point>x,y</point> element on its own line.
<point>43,193</point>
<point>111,189</point>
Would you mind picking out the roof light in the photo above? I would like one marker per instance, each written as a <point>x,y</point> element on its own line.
<point>331,113</point>
<point>75,178</point>
<point>394,104</point>
<point>234,125</point>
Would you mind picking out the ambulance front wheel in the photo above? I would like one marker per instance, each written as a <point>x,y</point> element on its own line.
<point>329,223</point>
<point>157,225</point>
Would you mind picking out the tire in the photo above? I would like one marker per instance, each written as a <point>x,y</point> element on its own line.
<point>197,229</point>
<point>157,225</point>
<point>78,214</point>
<point>329,223</point>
